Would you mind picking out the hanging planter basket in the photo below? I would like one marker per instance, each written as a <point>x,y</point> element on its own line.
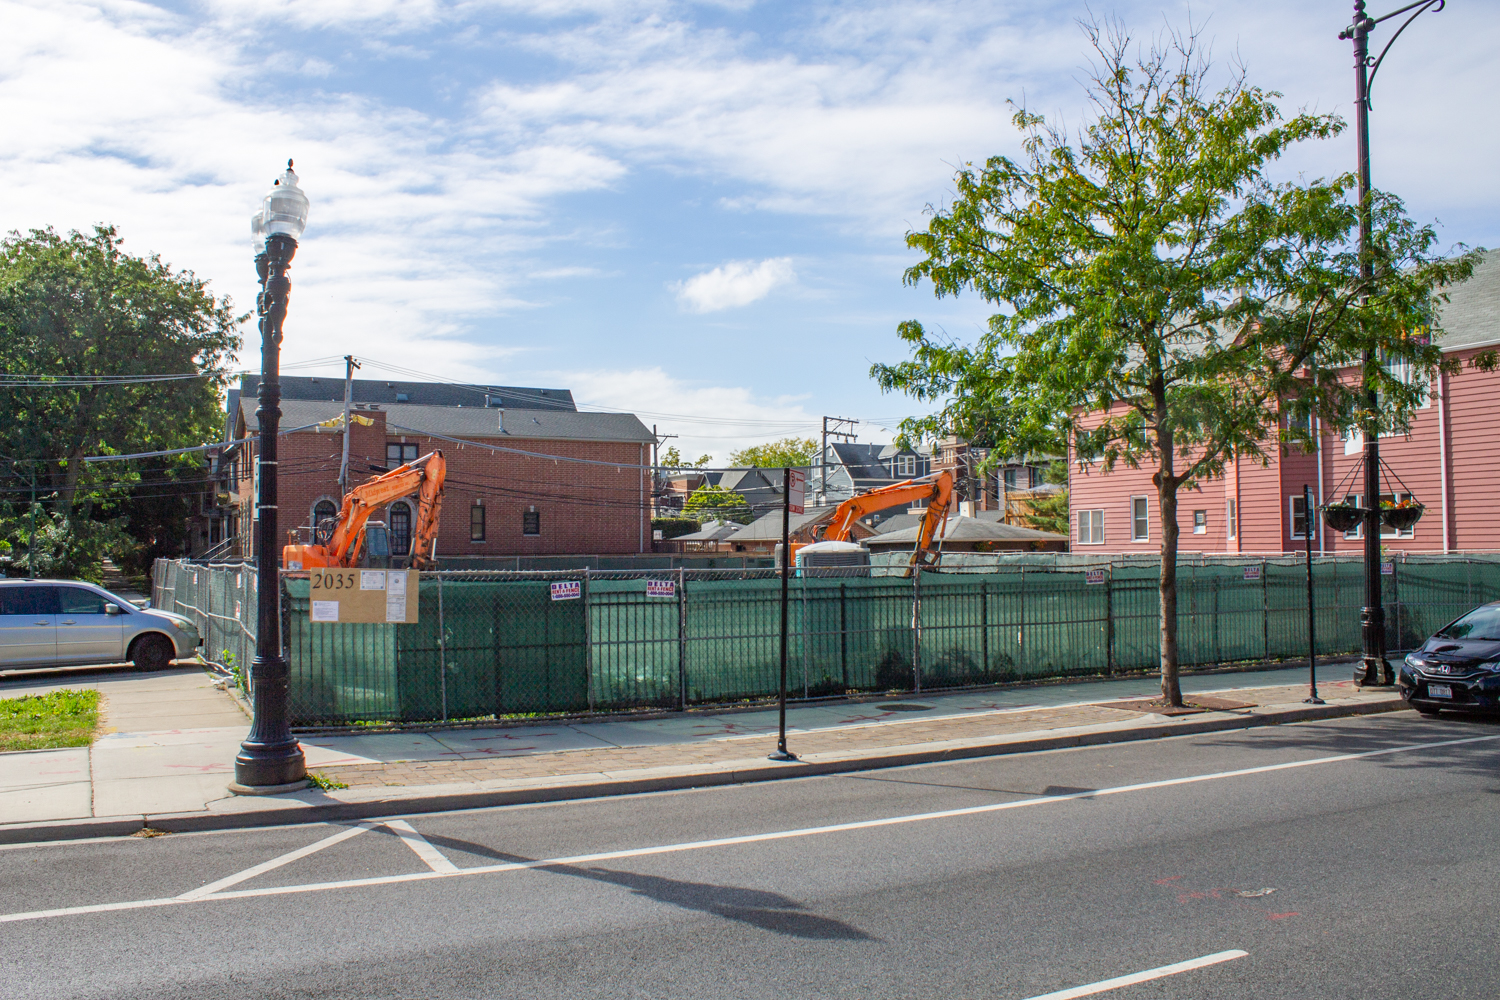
<point>1402,518</point>
<point>1343,516</point>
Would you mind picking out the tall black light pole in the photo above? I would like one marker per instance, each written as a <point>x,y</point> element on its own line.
<point>1373,669</point>
<point>270,758</point>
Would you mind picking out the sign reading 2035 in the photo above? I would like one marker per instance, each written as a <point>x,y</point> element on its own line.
<point>362,595</point>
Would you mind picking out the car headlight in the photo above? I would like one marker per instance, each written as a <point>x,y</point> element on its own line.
<point>1492,666</point>
<point>1411,660</point>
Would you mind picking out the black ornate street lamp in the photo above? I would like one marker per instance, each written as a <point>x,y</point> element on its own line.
<point>1373,669</point>
<point>270,758</point>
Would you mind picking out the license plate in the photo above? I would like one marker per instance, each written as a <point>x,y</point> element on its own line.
<point>1439,691</point>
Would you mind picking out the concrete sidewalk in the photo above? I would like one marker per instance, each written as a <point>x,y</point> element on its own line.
<point>175,779</point>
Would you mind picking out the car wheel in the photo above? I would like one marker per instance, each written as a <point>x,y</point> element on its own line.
<point>152,652</point>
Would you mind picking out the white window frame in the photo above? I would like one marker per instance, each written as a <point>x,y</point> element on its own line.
<point>1359,529</point>
<point>1291,518</point>
<point>1200,528</point>
<point>1231,518</point>
<point>1146,500</point>
<point>1386,532</point>
<point>1095,518</point>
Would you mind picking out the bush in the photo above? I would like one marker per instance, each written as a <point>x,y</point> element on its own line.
<point>672,527</point>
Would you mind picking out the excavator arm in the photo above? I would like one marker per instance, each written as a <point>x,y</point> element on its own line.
<point>423,477</point>
<point>937,490</point>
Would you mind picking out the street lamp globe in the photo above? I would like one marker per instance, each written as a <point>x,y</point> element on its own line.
<point>258,231</point>
<point>285,208</point>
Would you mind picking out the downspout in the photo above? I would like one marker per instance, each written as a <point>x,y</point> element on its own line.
<point>640,519</point>
<point>1446,488</point>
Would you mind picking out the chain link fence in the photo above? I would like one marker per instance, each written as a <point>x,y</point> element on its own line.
<point>497,644</point>
<point>219,598</point>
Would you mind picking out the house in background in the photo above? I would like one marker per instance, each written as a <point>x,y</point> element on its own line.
<point>763,535</point>
<point>982,531</point>
<point>1448,462</point>
<point>527,501</point>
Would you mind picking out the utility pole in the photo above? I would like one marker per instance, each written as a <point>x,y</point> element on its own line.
<point>349,365</point>
<point>657,440</point>
<point>828,432</point>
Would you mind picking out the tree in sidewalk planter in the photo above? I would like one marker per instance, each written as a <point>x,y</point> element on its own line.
<point>1162,302</point>
<point>718,503</point>
<point>791,452</point>
<point>85,322</point>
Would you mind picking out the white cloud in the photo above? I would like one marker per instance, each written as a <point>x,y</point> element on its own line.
<point>737,283</point>
<point>709,419</point>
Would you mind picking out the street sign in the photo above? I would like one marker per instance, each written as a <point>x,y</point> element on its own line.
<point>661,588</point>
<point>796,490</point>
<point>362,595</point>
<point>1093,576</point>
<point>567,590</point>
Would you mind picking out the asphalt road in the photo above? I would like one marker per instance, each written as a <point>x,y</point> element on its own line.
<point>1358,858</point>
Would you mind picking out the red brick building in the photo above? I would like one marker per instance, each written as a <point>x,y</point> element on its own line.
<point>1450,462</point>
<point>495,503</point>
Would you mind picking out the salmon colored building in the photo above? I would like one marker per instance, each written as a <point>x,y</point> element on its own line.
<point>1450,461</point>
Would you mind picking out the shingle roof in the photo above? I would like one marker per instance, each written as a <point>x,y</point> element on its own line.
<point>767,527</point>
<point>472,421</point>
<point>970,529</point>
<point>1472,316</point>
<point>417,393</point>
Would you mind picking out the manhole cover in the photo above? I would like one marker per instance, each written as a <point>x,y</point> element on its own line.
<point>898,707</point>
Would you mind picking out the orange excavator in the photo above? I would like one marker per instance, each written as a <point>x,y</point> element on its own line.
<point>423,477</point>
<point>937,490</point>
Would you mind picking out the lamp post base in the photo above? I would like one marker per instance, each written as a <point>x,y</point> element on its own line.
<point>270,766</point>
<point>1373,672</point>
<point>290,786</point>
<point>785,755</point>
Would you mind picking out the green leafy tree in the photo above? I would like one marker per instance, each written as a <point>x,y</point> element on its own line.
<point>789,452</point>
<point>1049,511</point>
<point>718,503</point>
<point>1161,301</point>
<point>672,459</point>
<point>87,324</point>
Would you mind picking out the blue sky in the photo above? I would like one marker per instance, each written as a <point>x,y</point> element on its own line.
<point>693,211</point>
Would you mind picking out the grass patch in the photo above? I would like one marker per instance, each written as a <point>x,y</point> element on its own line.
<point>48,721</point>
<point>323,781</point>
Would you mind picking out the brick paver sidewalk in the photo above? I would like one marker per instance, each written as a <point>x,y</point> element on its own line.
<point>843,740</point>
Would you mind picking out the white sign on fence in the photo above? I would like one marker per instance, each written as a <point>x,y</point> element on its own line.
<point>796,490</point>
<point>1388,569</point>
<point>1093,576</point>
<point>566,590</point>
<point>661,588</point>
<point>1252,572</point>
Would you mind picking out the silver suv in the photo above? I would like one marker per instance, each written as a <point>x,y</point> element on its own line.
<point>64,623</point>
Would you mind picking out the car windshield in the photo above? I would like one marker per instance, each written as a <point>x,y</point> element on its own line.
<point>1481,623</point>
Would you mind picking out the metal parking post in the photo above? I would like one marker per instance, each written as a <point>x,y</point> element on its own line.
<point>1265,610</point>
<point>682,638</point>
<point>984,623</point>
<point>844,637</point>
<point>1109,618</point>
<point>588,642</point>
<point>442,644</point>
<point>916,630</point>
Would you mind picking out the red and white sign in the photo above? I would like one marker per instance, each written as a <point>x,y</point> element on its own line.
<point>1093,576</point>
<point>661,588</point>
<point>1252,572</point>
<point>567,590</point>
<point>796,490</point>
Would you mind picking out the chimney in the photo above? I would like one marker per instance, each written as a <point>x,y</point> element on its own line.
<point>502,420</point>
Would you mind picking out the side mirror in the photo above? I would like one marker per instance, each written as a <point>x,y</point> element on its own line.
<point>113,609</point>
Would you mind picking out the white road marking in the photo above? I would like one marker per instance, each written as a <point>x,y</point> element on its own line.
<point>203,896</point>
<point>418,843</point>
<point>1143,977</point>
<point>274,863</point>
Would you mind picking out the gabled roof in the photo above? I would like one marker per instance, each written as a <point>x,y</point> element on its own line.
<point>416,393</point>
<point>767,527</point>
<point>469,421</point>
<point>1472,316</point>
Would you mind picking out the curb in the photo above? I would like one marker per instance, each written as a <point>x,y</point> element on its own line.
<point>119,826</point>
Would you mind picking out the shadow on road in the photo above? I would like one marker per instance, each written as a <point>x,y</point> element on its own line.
<point>769,911</point>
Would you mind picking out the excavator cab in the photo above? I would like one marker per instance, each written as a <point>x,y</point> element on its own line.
<point>377,549</point>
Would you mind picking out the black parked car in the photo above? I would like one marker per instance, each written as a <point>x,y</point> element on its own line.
<point>1459,667</point>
